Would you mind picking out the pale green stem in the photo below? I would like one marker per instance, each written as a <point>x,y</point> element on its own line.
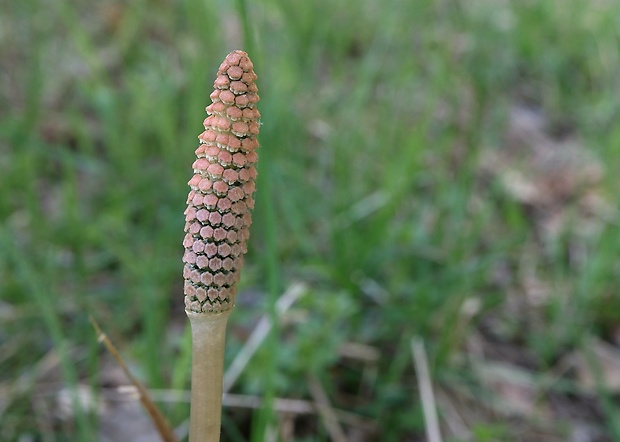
<point>208,338</point>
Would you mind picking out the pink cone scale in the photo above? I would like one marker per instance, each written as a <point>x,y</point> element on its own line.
<point>218,214</point>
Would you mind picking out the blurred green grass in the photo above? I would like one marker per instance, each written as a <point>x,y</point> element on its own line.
<point>376,118</point>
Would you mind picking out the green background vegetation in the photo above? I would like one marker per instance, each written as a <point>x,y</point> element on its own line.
<point>375,190</point>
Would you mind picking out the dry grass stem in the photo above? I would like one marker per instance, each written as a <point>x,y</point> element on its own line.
<point>259,334</point>
<point>454,421</point>
<point>11,391</point>
<point>426,390</point>
<point>283,406</point>
<point>280,405</point>
<point>158,419</point>
<point>327,413</point>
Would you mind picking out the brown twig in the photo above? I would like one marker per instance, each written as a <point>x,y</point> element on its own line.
<point>157,417</point>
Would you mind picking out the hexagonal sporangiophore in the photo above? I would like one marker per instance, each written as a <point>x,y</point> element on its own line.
<point>221,197</point>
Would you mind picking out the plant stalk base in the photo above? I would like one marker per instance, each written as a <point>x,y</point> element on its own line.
<point>208,339</point>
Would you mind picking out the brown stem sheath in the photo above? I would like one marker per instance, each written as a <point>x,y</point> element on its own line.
<point>208,338</point>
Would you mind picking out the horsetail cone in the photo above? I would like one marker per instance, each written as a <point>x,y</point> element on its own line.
<point>220,201</point>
